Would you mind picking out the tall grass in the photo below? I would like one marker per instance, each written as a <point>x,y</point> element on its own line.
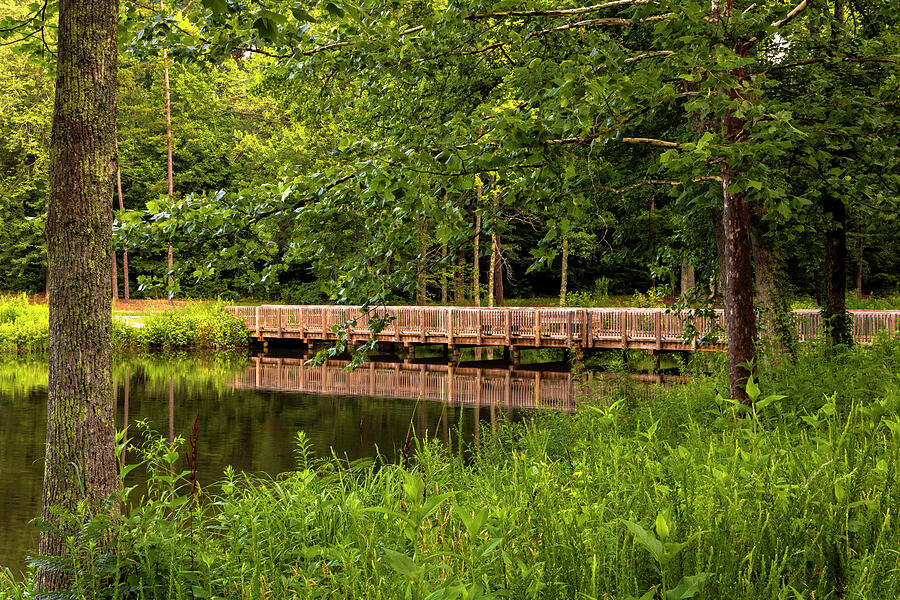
<point>688,495</point>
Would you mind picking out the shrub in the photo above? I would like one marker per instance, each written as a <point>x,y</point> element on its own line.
<point>23,326</point>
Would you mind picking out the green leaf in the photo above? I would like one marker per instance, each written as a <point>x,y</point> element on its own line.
<point>687,587</point>
<point>401,563</point>
<point>647,540</point>
<point>334,10</point>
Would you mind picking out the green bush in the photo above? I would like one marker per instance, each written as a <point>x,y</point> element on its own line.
<point>203,326</point>
<point>673,495</point>
<point>23,326</point>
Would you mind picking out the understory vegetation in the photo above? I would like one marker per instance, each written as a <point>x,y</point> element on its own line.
<point>197,326</point>
<point>25,327</point>
<point>686,495</point>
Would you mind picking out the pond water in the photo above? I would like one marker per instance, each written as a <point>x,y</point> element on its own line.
<point>249,410</point>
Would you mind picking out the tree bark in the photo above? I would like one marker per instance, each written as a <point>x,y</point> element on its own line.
<point>564,277</point>
<point>688,278</point>
<point>122,207</point>
<point>80,450</point>
<point>769,274</point>
<point>740,320</point>
<point>836,317</point>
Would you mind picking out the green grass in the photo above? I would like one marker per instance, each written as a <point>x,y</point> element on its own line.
<point>684,495</point>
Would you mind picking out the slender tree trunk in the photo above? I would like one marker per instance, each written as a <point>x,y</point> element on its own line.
<point>421,282</point>
<point>688,278</point>
<point>859,256</point>
<point>80,451</point>
<point>492,273</point>
<point>444,275</point>
<point>564,277</point>
<point>498,274</point>
<point>459,282</point>
<point>122,207</point>
<point>837,319</point>
<point>170,175</point>
<point>476,283</point>
<point>114,277</point>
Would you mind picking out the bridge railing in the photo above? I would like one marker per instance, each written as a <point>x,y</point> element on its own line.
<point>560,327</point>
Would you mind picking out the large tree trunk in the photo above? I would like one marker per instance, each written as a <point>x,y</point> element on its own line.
<point>740,320</point>
<point>444,275</point>
<point>837,319</point>
<point>122,207</point>
<point>769,273</point>
<point>564,277</point>
<point>80,450</point>
<point>170,175</point>
<point>492,273</point>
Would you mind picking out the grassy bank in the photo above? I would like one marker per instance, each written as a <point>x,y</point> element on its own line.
<point>25,327</point>
<point>680,497</point>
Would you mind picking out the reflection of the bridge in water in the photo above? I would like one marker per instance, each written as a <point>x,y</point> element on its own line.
<point>455,386</point>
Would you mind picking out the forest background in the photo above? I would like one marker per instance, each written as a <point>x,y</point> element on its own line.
<point>249,125</point>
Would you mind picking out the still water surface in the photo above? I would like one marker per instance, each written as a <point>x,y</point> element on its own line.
<point>250,410</point>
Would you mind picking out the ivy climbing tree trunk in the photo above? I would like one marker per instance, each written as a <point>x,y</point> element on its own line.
<point>769,276</point>
<point>80,450</point>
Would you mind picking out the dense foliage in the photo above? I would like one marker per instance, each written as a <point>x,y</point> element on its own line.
<point>627,498</point>
<point>303,174</point>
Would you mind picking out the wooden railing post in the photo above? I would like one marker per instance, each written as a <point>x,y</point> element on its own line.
<point>478,325</point>
<point>623,323</point>
<point>279,321</point>
<point>508,322</point>
<point>257,322</point>
<point>450,326</point>
<point>659,328</point>
<point>422,325</point>
<point>537,327</point>
<point>570,325</point>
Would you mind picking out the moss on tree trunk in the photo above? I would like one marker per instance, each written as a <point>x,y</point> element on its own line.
<point>80,461</point>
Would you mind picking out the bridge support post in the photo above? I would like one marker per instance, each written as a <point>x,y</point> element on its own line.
<point>453,355</point>
<point>516,356</point>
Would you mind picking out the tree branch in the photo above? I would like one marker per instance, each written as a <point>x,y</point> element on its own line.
<point>790,16</point>
<point>558,12</point>
<point>601,23</point>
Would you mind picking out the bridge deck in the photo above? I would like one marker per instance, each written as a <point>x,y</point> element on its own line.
<point>579,328</point>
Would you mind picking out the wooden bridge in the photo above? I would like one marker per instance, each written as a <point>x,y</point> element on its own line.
<point>574,328</point>
<point>454,386</point>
